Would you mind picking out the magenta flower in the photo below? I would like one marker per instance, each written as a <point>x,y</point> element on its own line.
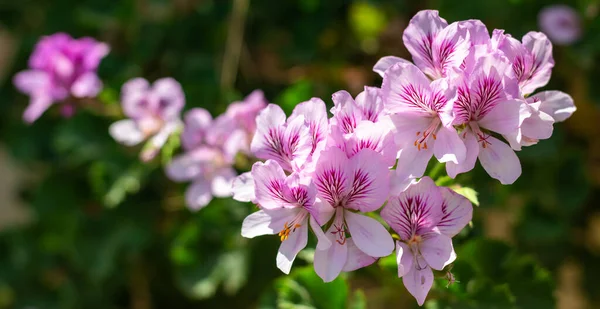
<point>546,107</point>
<point>421,113</point>
<point>361,123</point>
<point>287,208</point>
<point>348,112</point>
<point>293,142</point>
<point>560,23</point>
<point>531,60</point>
<point>210,172</point>
<point>153,111</point>
<point>360,183</point>
<point>61,68</point>
<point>435,46</point>
<point>488,100</point>
<point>426,218</point>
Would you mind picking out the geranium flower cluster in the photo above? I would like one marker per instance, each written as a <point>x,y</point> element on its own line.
<point>469,96</point>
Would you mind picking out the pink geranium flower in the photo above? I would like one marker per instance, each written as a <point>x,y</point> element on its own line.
<point>421,111</point>
<point>287,208</point>
<point>60,68</point>
<point>360,183</point>
<point>426,218</point>
<point>488,99</point>
<point>153,111</point>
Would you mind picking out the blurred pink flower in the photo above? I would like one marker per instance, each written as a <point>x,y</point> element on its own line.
<point>153,111</point>
<point>287,207</point>
<point>426,217</point>
<point>560,23</point>
<point>60,67</point>
<point>360,183</point>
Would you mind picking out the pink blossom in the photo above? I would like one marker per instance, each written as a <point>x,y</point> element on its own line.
<point>421,113</point>
<point>60,68</point>
<point>360,183</point>
<point>153,111</point>
<point>435,46</point>
<point>361,123</point>
<point>425,217</point>
<point>488,99</point>
<point>531,59</point>
<point>294,141</point>
<point>208,169</point>
<point>287,208</point>
<point>561,23</point>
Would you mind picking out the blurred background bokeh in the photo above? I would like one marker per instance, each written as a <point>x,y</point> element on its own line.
<point>84,224</point>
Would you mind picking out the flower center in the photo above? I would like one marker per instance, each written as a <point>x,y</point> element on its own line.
<point>423,137</point>
<point>481,137</point>
<point>291,226</point>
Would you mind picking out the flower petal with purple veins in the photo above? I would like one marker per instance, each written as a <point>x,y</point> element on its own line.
<point>415,211</point>
<point>457,210</point>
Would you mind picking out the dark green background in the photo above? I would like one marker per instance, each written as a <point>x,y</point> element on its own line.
<point>109,232</point>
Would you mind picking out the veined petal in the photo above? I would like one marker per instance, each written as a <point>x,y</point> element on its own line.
<point>405,89</point>
<point>557,104</point>
<point>415,211</point>
<point>333,176</point>
<point>385,63</point>
<point>541,49</point>
<point>356,258</point>
<point>243,188</point>
<point>297,142</point>
<point>437,250</point>
<point>198,194</point>
<point>374,136</point>
<point>370,103</point>
<point>419,35</point>
<point>457,210</point>
<point>472,148</point>
<point>330,262</point>
<point>346,115</point>
<point>290,247</point>
<point>315,115</point>
<point>404,258</point>
<point>126,132</point>
<point>268,140</point>
<point>450,47</point>
<point>370,182</point>
<point>500,161</point>
<point>267,222</point>
<point>269,182</point>
<point>369,235</point>
<point>418,282</point>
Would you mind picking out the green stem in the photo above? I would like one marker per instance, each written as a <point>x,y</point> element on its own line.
<point>437,170</point>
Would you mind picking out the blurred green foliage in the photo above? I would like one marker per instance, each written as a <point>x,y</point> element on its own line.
<point>110,232</point>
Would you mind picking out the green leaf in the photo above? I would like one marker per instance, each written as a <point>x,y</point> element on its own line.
<point>304,289</point>
<point>467,192</point>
